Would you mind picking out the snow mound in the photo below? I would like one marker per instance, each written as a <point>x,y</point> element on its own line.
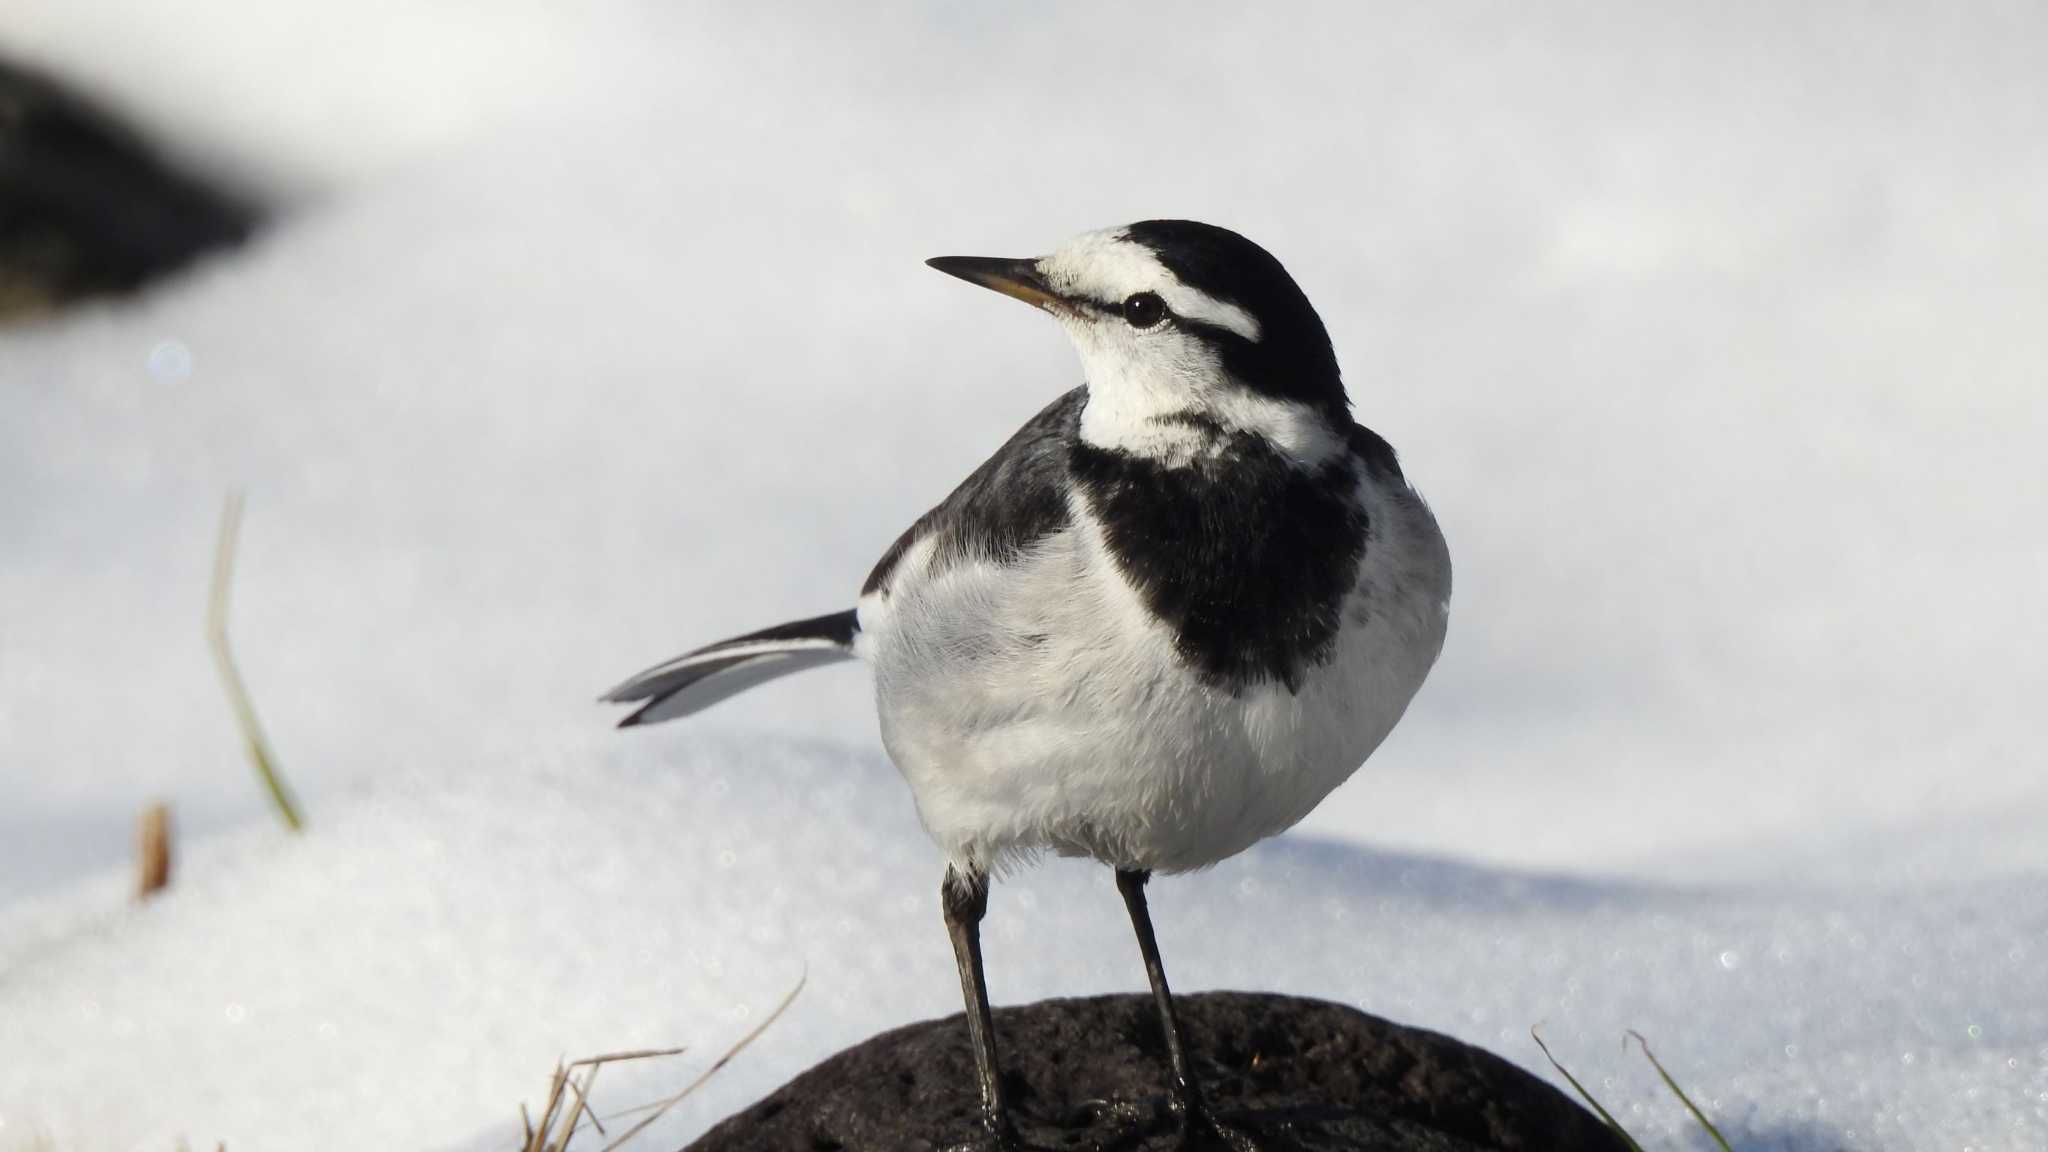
<point>408,971</point>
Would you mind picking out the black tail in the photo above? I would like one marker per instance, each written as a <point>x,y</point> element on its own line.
<point>696,680</point>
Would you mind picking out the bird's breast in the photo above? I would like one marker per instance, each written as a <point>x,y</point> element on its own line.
<point>1245,556</point>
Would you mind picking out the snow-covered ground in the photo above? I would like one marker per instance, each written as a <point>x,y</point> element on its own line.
<point>410,970</point>
<point>1712,334</point>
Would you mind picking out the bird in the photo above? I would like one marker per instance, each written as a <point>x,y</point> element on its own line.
<point>1172,613</point>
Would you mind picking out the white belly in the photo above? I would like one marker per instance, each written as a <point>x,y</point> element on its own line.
<point>1038,706</point>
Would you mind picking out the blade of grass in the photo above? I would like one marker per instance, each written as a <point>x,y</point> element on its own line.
<point>555,1133</point>
<point>1698,1115</point>
<point>1585,1095</point>
<point>582,1105</point>
<point>660,1107</point>
<point>637,1054</point>
<point>230,677</point>
<point>547,1112</point>
<point>596,1062</point>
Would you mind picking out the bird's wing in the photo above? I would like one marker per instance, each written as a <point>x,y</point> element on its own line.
<point>1372,448</point>
<point>696,680</point>
<point>1015,499</point>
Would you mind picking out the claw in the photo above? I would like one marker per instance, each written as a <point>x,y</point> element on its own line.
<point>1098,1112</point>
<point>1117,1124</point>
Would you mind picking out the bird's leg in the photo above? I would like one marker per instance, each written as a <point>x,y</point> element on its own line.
<point>1185,1098</point>
<point>964,897</point>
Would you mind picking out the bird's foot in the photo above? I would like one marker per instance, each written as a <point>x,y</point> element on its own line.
<point>1120,1124</point>
<point>996,1135</point>
<point>1117,1125</point>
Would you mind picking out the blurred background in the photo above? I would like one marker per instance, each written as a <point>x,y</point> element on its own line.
<point>547,341</point>
<point>570,340</point>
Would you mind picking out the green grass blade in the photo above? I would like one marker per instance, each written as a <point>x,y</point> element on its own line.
<point>1612,1123</point>
<point>231,678</point>
<point>1698,1115</point>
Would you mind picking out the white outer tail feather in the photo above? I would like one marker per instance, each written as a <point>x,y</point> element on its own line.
<point>697,680</point>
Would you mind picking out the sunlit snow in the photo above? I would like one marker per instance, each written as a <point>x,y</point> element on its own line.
<point>1712,335</point>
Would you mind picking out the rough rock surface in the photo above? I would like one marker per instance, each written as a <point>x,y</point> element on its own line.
<point>1297,1074</point>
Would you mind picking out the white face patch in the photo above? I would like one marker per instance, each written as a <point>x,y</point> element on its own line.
<point>1107,268</point>
<point>1141,379</point>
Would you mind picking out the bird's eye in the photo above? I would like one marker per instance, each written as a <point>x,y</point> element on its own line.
<point>1144,310</point>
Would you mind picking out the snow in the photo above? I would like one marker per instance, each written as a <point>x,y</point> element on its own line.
<point>1711,334</point>
<point>1724,385</point>
<point>411,969</point>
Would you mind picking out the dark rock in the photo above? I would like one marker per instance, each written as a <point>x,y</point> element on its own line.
<point>87,208</point>
<point>1299,1075</point>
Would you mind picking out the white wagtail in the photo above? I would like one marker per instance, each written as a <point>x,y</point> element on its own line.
<point>1181,605</point>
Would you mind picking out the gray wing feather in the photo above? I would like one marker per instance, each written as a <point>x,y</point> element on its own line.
<point>1015,499</point>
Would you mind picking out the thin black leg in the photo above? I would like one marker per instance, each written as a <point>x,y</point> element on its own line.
<point>1186,1098</point>
<point>965,899</point>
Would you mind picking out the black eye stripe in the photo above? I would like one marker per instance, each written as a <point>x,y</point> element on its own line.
<point>1214,333</point>
<point>1107,307</point>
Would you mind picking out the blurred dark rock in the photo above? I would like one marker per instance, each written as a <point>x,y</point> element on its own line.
<point>1298,1075</point>
<point>87,208</point>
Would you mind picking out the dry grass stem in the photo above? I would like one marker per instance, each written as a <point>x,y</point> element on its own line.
<point>568,1104</point>
<point>153,851</point>
<point>660,1108</point>
<point>556,1127</point>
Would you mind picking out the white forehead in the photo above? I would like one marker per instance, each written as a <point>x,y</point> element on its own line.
<point>1110,267</point>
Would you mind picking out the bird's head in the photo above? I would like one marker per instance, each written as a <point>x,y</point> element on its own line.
<point>1187,333</point>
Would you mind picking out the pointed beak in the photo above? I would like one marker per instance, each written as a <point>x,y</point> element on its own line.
<point>1015,278</point>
